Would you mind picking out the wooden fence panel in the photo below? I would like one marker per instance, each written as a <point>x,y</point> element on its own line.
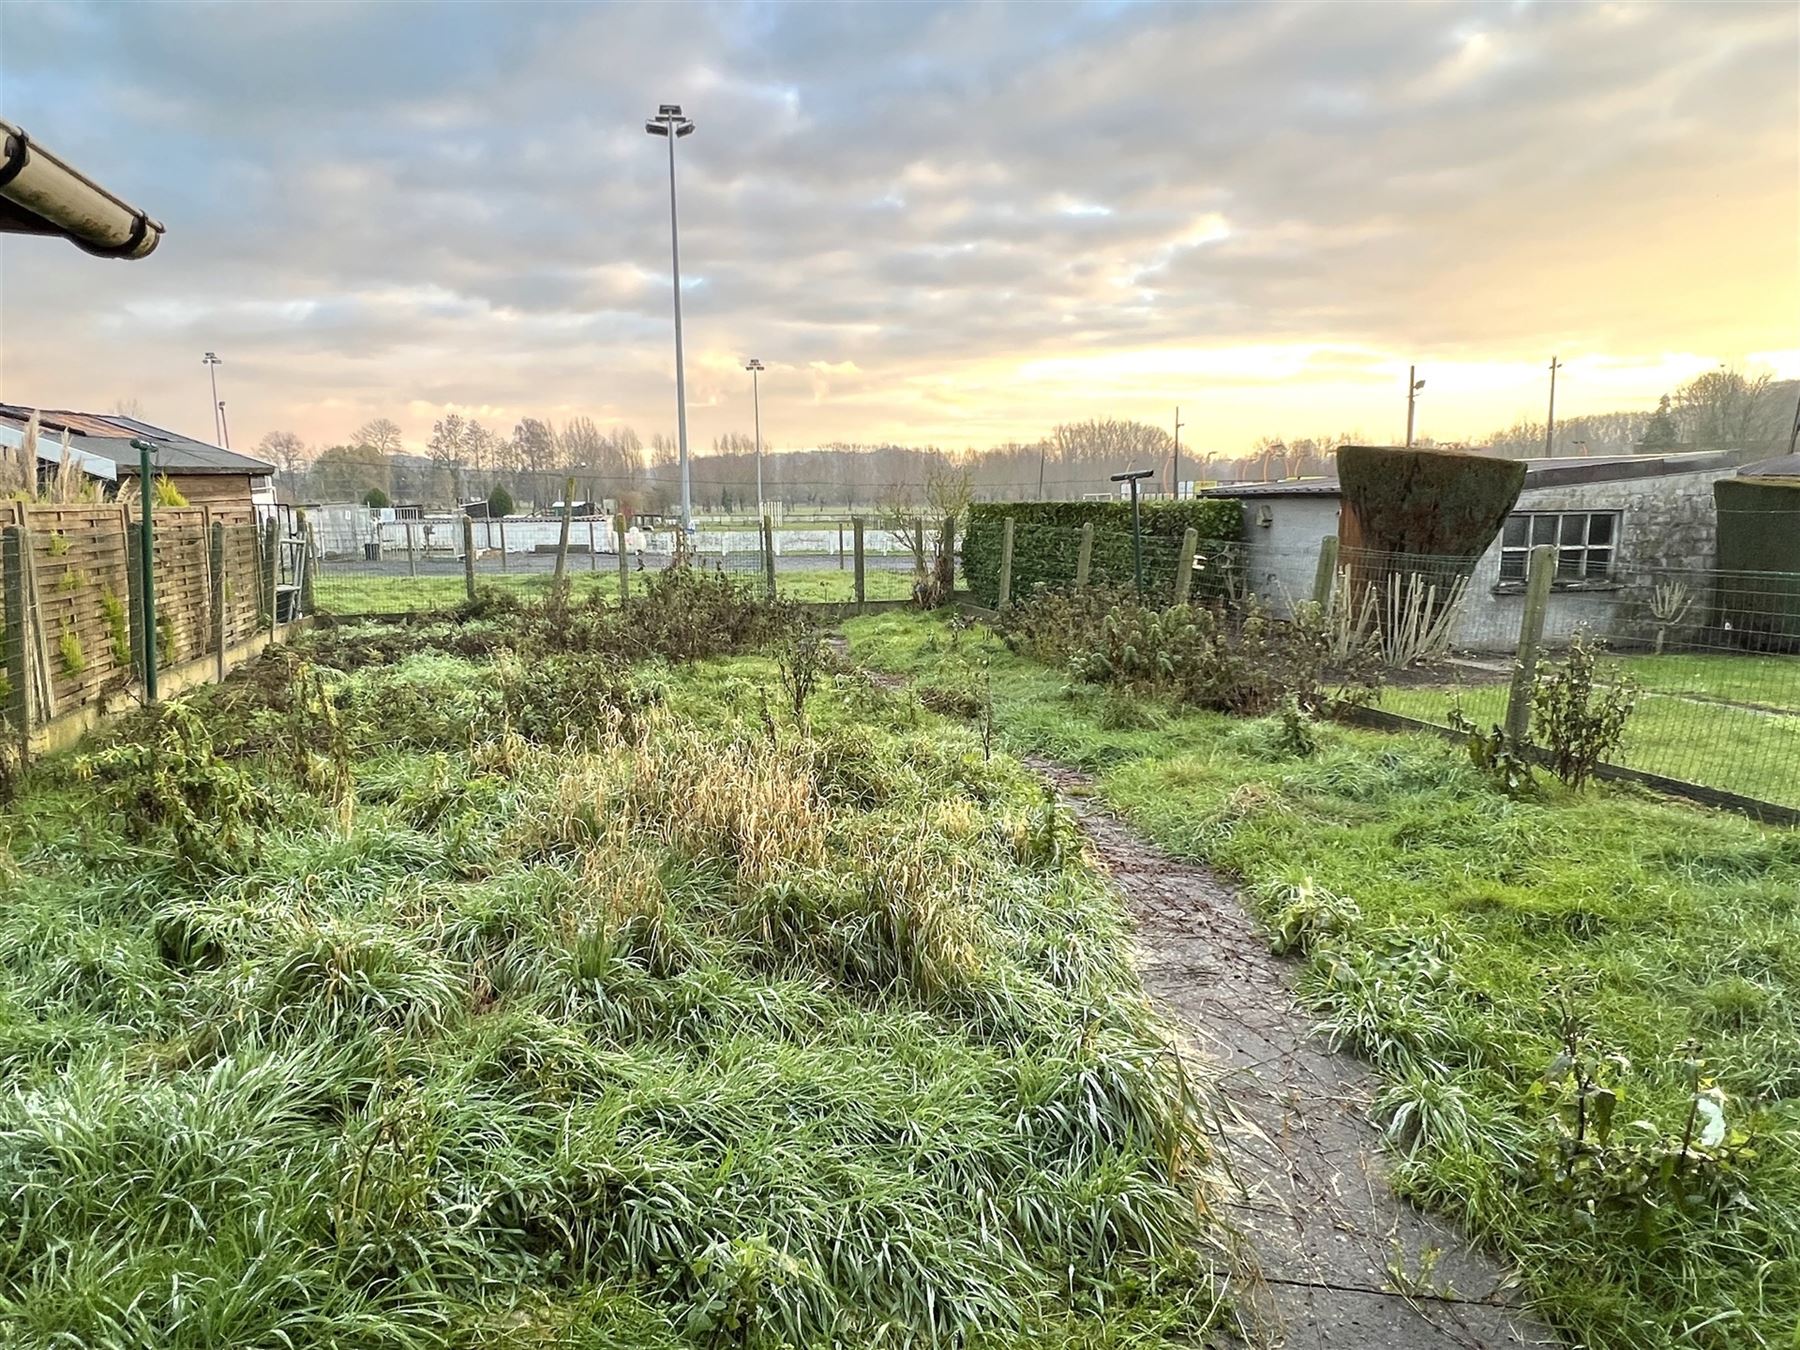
<point>241,582</point>
<point>83,601</point>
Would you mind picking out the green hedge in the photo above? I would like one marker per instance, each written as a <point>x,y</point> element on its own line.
<point>1046,542</point>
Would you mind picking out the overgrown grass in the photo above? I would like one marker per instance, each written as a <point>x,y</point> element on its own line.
<point>1449,934</point>
<point>537,1002</point>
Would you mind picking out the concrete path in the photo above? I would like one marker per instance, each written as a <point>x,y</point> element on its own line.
<point>1344,1262</point>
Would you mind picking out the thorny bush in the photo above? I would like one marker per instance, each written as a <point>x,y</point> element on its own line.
<point>1581,708</point>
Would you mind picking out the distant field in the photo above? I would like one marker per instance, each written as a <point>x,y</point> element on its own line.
<point>350,593</point>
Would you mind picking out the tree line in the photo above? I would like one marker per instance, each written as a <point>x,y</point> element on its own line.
<point>465,460</point>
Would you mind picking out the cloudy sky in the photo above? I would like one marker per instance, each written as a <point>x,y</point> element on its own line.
<point>935,224</point>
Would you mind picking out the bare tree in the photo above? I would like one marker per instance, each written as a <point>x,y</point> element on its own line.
<point>1725,409</point>
<point>287,452</point>
<point>380,433</point>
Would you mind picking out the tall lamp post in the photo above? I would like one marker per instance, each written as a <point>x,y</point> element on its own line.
<point>212,363</point>
<point>670,124</point>
<point>224,427</point>
<point>1550,421</point>
<point>1412,395</point>
<point>755,367</point>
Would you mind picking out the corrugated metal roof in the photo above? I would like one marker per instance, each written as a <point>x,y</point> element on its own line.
<point>109,435</point>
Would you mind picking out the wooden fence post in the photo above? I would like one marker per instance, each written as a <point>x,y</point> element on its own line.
<point>624,561</point>
<point>1006,552</point>
<point>271,566</point>
<point>468,528</point>
<point>593,546</point>
<point>215,557</point>
<point>948,551</point>
<point>1184,564</point>
<point>860,575</point>
<point>18,679</point>
<point>504,567</point>
<point>1539,573</point>
<point>412,558</point>
<point>1325,577</point>
<point>1084,560</point>
<point>840,546</point>
<point>562,542</point>
<point>768,552</point>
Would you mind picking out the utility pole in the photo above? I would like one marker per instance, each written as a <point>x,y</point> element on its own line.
<point>755,368</point>
<point>1412,394</point>
<point>1175,472</point>
<point>1550,422</point>
<point>212,363</point>
<point>670,124</point>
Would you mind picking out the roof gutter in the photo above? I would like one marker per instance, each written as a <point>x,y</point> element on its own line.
<point>40,194</point>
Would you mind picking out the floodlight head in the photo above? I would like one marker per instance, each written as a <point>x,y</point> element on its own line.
<point>1131,474</point>
<point>684,129</point>
<point>1418,385</point>
<point>754,364</point>
<point>211,359</point>
<point>656,128</point>
<point>668,110</point>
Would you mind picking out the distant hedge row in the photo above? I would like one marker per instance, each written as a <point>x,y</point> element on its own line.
<point>1046,542</point>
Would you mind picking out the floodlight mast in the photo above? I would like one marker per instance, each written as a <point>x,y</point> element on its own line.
<point>671,125</point>
<point>756,367</point>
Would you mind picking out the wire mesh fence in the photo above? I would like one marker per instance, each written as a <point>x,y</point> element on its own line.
<point>418,567</point>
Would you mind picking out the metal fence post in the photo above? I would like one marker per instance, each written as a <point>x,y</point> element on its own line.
<point>1326,575</point>
<point>1084,558</point>
<point>1006,552</point>
<point>768,552</point>
<point>18,680</point>
<point>309,583</point>
<point>861,574</point>
<point>216,560</point>
<point>1184,565</point>
<point>624,562</point>
<point>468,528</point>
<point>134,585</point>
<point>562,542</point>
<point>271,567</point>
<point>1539,572</point>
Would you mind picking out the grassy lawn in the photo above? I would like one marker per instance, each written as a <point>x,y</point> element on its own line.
<point>516,1000</point>
<point>349,593</point>
<point>1723,721</point>
<point>1453,936</point>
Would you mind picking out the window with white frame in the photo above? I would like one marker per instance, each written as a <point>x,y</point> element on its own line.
<point>1585,542</point>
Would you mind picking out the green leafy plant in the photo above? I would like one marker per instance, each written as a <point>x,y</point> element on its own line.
<point>1500,759</point>
<point>500,502</point>
<point>168,639</point>
<point>118,628</point>
<point>1580,709</point>
<point>1295,728</point>
<point>802,657</point>
<point>58,544</point>
<point>165,493</point>
<point>72,580</point>
<point>70,653</point>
